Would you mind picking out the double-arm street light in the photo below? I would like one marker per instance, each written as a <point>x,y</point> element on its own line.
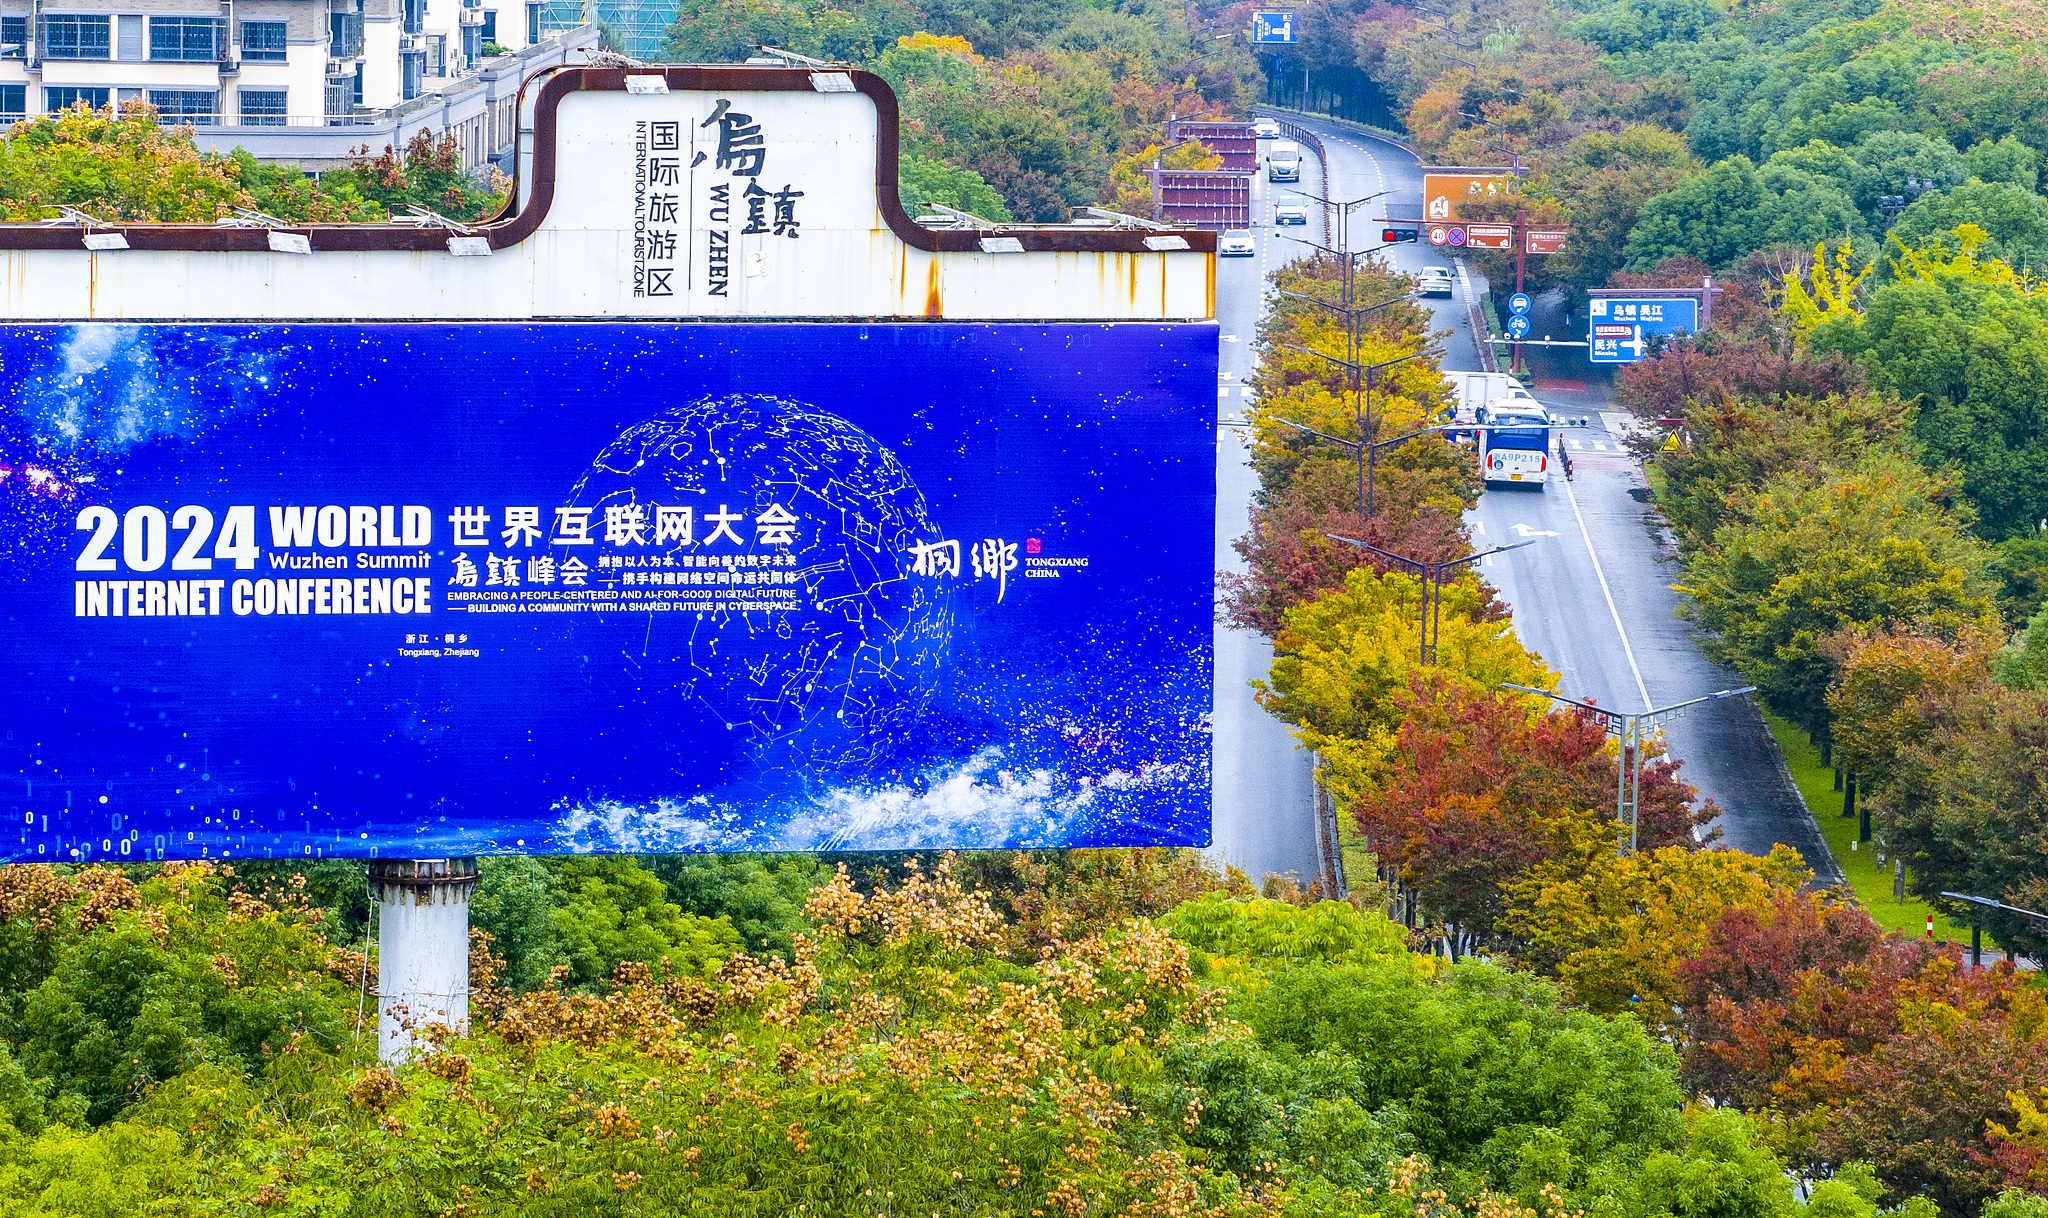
<point>1342,237</point>
<point>1347,258</point>
<point>1362,376</point>
<point>1368,455</point>
<point>1432,575</point>
<point>1349,314</point>
<point>1629,727</point>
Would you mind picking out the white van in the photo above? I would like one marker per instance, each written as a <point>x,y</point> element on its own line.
<point>1283,161</point>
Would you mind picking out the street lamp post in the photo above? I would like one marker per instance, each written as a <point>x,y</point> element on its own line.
<point>1628,787</point>
<point>2039,921</point>
<point>1432,577</point>
<point>1368,451</point>
<point>1349,314</point>
<point>1342,237</point>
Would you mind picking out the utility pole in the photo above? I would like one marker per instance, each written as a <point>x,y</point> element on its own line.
<point>1518,228</point>
<point>1432,576</point>
<point>1629,729</point>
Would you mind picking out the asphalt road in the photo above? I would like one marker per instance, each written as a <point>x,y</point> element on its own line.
<point>1263,788</point>
<point>1592,597</point>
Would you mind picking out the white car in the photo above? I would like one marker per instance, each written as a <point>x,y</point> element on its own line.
<point>1289,213</point>
<point>1433,281</point>
<point>1235,243</point>
<point>1265,129</point>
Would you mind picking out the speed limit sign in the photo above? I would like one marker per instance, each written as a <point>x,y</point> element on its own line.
<point>1438,234</point>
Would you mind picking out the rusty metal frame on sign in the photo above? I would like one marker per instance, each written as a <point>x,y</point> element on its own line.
<point>516,223</point>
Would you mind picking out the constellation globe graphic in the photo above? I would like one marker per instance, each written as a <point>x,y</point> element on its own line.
<point>781,532</point>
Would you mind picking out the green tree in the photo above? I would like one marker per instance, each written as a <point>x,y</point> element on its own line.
<point>921,181</point>
<point>612,911</point>
<point>2006,162</point>
<point>761,895</point>
<point>1967,336</point>
<point>1865,547</point>
<point>1715,217</point>
<point>2012,217</point>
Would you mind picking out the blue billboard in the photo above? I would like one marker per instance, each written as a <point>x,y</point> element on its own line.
<point>421,589</point>
<point>1618,329</point>
<point>1273,26</point>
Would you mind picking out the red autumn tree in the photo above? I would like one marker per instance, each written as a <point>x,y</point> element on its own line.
<point>1478,793</point>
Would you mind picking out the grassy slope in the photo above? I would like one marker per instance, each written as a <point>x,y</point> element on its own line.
<point>1873,884</point>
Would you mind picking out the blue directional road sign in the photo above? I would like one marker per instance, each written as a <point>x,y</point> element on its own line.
<point>1518,304</point>
<point>1618,330</point>
<point>1518,326</point>
<point>1273,25</point>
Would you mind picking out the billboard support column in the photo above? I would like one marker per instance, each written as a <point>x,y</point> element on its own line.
<point>422,948</point>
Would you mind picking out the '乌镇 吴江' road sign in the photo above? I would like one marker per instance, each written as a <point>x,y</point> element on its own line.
<point>1273,26</point>
<point>1619,328</point>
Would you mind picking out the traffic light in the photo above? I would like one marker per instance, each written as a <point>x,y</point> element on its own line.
<point>1389,236</point>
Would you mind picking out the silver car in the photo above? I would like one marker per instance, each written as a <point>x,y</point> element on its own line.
<point>1235,243</point>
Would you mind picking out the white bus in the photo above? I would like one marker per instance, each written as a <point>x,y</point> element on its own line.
<point>1514,442</point>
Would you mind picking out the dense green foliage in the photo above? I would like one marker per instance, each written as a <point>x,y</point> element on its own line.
<point>1235,1056</point>
<point>123,165</point>
<point>1008,110</point>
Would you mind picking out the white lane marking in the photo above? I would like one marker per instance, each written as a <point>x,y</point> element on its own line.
<point>1523,530</point>
<point>1479,527</point>
<point>1598,445</point>
<point>1612,612</point>
<point>1230,338</point>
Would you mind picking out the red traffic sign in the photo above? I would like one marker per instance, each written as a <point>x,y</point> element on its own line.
<point>1439,233</point>
<point>1457,236</point>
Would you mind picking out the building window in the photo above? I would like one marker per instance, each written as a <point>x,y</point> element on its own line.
<point>532,24</point>
<point>63,97</point>
<point>412,74</point>
<point>262,107</point>
<point>13,102</point>
<point>472,44</point>
<point>184,106</point>
<point>437,54</point>
<point>74,37</point>
<point>13,37</point>
<point>128,41</point>
<point>263,40</point>
<point>192,39</point>
<point>490,25</point>
<point>415,17</point>
<point>344,35</point>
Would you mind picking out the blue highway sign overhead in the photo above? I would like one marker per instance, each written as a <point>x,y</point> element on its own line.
<point>1619,329</point>
<point>1273,26</point>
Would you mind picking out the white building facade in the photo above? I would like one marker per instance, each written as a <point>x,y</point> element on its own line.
<point>287,79</point>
